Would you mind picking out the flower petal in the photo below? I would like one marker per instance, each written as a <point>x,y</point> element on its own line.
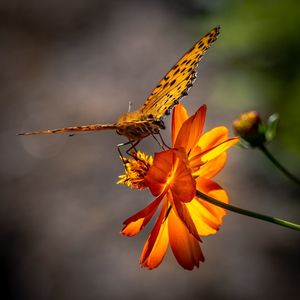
<point>183,185</point>
<point>207,217</point>
<point>217,150</point>
<point>157,243</point>
<point>204,157</point>
<point>213,138</point>
<point>156,178</point>
<point>191,130</point>
<point>169,169</point>
<point>178,117</point>
<point>207,141</point>
<point>183,213</point>
<point>137,222</point>
<point>214,190</point>
<point>204,221</point>
<point>185,247</point>
<point>212,167</point>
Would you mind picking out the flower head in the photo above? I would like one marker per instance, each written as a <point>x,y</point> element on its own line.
<point>173,178</point>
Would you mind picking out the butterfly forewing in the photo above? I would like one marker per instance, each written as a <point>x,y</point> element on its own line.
<point>175,85</point>
<point>178,80</point>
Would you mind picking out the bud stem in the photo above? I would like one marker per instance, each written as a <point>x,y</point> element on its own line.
<point>248,213</point>
<point>278,165</point>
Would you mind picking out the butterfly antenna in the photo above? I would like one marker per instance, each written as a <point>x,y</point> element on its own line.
<point>129,106</point>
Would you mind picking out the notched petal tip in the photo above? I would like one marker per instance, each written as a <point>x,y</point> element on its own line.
<point>184,245</point>
<point>138,221</point>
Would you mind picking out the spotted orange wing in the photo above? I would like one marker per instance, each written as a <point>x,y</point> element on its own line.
<point>178,80</point>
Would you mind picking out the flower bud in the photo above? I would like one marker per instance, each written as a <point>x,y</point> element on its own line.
<point>250,128</point>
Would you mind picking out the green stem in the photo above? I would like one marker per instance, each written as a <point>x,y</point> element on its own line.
<point>278,165</point>
<point>248,213</point>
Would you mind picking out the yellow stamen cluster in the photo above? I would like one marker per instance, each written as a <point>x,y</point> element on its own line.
<point>136,169</point>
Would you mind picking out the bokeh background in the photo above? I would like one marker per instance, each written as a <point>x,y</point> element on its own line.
<point>67,63</point>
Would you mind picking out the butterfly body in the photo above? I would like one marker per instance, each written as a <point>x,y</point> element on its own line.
<point>148,120</point>
<point>139,130</point>
<point>136,126</point>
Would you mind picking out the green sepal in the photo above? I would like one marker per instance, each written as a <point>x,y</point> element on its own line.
<point>271,128</point>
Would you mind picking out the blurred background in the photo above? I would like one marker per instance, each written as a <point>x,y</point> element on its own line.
<point>77,62</point>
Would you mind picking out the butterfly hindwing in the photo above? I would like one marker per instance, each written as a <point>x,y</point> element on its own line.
<point>178,80</point>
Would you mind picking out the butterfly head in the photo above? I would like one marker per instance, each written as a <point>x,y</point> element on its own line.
<point>160,124</point>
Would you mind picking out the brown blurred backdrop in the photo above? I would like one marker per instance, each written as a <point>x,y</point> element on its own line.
<point>67,63</point>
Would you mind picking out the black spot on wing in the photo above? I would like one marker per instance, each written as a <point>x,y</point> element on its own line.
<point>178,69</point>
<point>172,82</point>
<point>190,79</point>
<point>189,64</point>
<point>200,45</point>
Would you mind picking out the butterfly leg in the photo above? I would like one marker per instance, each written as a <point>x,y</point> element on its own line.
<point>163,142</point>
<point>133,145</point>
<point>134,154</point>
<point>120,152</point>
<point>158,142</point>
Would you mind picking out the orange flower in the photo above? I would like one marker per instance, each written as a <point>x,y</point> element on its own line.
<point>173,178</point>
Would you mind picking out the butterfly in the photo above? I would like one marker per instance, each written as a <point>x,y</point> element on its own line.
<point>148,120</point>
